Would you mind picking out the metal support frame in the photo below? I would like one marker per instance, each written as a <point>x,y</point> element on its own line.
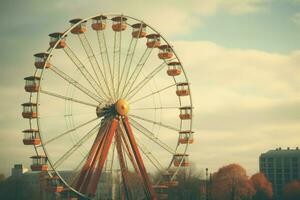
<point>150,194</point>
<point>90,158</point>
<point>123,167</point>
<point>102,157</point>
<point>90,173</point>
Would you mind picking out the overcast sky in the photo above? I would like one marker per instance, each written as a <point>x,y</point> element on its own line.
<point>242,59</point>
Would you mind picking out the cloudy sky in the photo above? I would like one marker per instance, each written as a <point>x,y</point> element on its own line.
<point>241,57</point>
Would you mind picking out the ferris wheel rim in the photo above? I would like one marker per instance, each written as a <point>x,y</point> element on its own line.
<point>51,53</point>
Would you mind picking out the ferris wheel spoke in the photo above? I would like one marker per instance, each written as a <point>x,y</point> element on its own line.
<point>142,83</point>
<point>151,94</point>
<point>129,54</point>
<point>75,83</point>
<point>151,136</point>
<point>67,98</point>
<point>69,131</point>
<point>94,63</point>
<point>77,170</point>
<point>156,123</point>
<point>68,153</point>
<point>123,165</point>
<point>127,64</point>
<point>84,72</point>
<point>149,155</point>
<point>116,60</point>
<point>136,72</point>
<point>154,108</point>
<point>108,75</point>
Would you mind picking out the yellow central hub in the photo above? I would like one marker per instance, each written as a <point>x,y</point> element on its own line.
<point>122,107</point>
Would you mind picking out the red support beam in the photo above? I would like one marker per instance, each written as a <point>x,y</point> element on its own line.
<point>97,172</point>
<point>124,170</point>
<point>132,159</point>
<point>90,157</point>
<point>150,194</point>
<point>92,167</point>
<point>129,154</point>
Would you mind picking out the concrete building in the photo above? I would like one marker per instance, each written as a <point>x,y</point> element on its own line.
<point>280,166</point>
<point>18,170</point>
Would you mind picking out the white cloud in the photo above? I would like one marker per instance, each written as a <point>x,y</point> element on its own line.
<point>169,17</point>
<point>243,7</point>
<point>235,7</point>
<point>246,102</point>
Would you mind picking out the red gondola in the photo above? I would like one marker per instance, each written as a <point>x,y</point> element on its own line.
<point>174,69</point>
<point>32,84</point>
<point>29,110</point>
<point>181,160</point>
<point>40,60</point>
<point>80,28</point>
<point>57,36</point>
<point>119,23</point>
<point>153,41</point>
<point>39,163</point>
<point>31,137</point>
<point>165,52</point>
<point>139,30</point>
<point>99,23</point>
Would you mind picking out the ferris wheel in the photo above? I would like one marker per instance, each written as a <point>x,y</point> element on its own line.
<point>109,96</point>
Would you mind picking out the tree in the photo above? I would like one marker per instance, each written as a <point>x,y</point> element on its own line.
<point>262,186</point>
<point>189,184</point>
<point>291,191</point>
<point>231,183</point>
<point>190,180</point>
<point>136,185</point>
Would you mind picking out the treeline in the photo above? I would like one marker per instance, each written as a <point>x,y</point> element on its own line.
<point>230,182</point>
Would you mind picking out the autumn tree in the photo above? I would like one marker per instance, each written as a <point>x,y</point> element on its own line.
<point>231,183</point>
<point>291,191</point>
<point>262,186</point>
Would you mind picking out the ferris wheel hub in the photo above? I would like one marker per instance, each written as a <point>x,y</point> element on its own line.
<point>122,107</point>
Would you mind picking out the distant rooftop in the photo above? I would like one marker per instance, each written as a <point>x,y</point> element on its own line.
<point>282,152</point>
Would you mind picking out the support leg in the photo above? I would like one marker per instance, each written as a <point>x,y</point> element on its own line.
<point>97,172</point>
<point>150,192</point>
<point>124,170</point>
<point>91,157</point>
<point>92,167</point>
